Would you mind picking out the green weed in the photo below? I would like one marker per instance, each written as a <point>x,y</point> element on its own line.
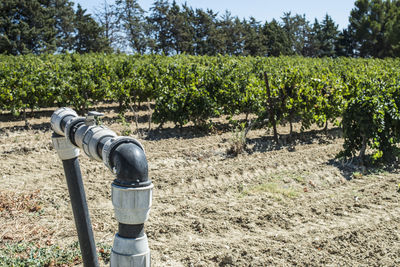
<point>237,141</point>
<point>275,190</point>
<point>31,254</point>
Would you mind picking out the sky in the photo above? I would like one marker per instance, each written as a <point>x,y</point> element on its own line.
<point>262,10</point>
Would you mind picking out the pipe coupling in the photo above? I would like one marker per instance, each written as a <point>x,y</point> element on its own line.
<point>92,138</point>
<point>71,127</point>
<point>130,252</point>
<point>58,116</point>
<point>112,144</point>
<point>65,149</point>
<point>131,205</point>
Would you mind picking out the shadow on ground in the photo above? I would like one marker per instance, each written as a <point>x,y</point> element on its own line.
<point>286,141</point>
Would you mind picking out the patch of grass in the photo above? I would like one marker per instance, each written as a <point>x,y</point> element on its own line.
<point>31,254</point>
<point>104,252</point>
<point>299,177</point>
<point>357,175</point>
<point>274,189</point>
<point>126,127</point>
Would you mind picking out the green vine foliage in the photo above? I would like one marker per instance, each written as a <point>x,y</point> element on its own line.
<point>361,93</point>
<point>372,119</point>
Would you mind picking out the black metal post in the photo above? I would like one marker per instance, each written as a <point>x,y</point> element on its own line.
<point>81,212</point>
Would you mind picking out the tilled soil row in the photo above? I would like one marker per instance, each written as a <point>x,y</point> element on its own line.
<point>294,205</point>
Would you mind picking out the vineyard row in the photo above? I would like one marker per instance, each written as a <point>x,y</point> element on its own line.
<point>365,93</point>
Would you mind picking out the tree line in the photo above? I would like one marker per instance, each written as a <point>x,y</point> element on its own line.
<point>56,26</point>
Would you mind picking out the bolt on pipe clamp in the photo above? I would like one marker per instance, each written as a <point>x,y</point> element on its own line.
<point>131,205</point>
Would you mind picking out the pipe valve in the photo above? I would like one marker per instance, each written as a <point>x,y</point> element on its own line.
<point>91,118</point>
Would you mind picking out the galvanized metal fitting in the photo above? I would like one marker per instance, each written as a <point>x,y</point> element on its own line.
<point>92,138</point>
<point>111,144</point>
<point>130,252</point>
<point>80,134</point>
<point>65,149</point>
<point>131,205</point>
<point>69,127</point>
<point>58,116</point>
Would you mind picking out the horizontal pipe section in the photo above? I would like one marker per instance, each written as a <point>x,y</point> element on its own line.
<point>101,145</point>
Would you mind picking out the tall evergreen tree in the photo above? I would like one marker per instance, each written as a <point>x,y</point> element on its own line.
<point>345,45</point>
<point>313,43</point>
<point>253,38</point>
<point>160,27</point>
<point>88,34</point>
<point>64,24</point>
<point>298,29</point>
<point>132,18</point>
<point>205,36</point>
<point>276,39</point>
<point>109,19</point>
<point>360,23</point>
<point>26,27</point>
<point>375,27</point>
<point>182,28</point>
<point>392,26</point>
<point>230,33</point>
<point>327,36</point>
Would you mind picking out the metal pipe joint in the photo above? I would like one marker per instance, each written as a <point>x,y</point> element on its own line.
<point>131,191</point>
<point>131,205</point>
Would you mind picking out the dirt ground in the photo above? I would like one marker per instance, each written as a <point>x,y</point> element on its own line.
<point>269,206</point>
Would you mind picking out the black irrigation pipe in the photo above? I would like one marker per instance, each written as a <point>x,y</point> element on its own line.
<point>81,212</point>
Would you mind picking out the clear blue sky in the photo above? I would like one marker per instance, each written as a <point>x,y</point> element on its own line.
<point>262,10</point>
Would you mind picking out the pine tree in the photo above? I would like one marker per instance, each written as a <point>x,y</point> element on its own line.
<point>345,45</point>
<point>230,34</point>
<point>276,39</point>
<point>64,24</point>
<point>205,32</point>
<point>160,28</point>
<point>375,27</point>
<point>182,28</point>
<point>313,43</point>
<point>132,18</point>
<point>88,34</point>
<point>298,29</point>
<point>108,18</point>
<point>327,37</point>
<point>253,38</point>
<point>26,27</point>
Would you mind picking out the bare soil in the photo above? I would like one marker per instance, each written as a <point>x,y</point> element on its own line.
<point>293,204</point>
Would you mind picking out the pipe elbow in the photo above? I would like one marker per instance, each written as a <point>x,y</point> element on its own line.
<point>130,165</point>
